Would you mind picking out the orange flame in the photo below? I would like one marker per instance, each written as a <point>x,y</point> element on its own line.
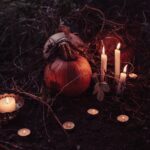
<point>118,45</point>
<point>103,50</point>
<point>125,68</point>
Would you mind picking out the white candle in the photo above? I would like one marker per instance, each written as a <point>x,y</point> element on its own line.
<point>7,104</point>
<point>123,75</point>
<point>122,79</point>
<point>103,64</point>
<point>117,61</point>
<point>122,118</point>
<point>24,132</point>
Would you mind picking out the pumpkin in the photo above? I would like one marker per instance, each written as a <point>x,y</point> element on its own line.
<point>69,73</point>
<point>110,41</point>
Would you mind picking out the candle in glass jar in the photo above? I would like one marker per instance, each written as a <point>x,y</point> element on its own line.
<point>103,64</point>
<point>7,104</point>
<point>117,61</point>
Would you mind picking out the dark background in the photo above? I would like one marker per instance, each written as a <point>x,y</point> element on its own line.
<point>25,25</point>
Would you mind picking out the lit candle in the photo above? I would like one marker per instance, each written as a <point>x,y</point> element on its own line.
<point>133,75</point>
<point>117,61</point>
<point>24,132</point>
<point>122,79</point>
<point>93,111</point>
<point>68,125</point>
<point>103,64</point>
<point>122,118</point>
<point>7,104</point>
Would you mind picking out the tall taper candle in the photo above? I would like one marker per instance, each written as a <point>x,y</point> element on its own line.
<point>117,61</point>
<point>103,65</point>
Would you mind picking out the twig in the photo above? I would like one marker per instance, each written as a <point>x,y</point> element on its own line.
<point>42,101</point>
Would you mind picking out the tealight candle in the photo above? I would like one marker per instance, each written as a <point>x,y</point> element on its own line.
<point>133,75</point>
<point>24,132</point>
<point>93,111</point>
<point>117,61</point>
<point>7,104</point>
<point>68,125</point>
<point>103,65</point>
<point>122,118</point>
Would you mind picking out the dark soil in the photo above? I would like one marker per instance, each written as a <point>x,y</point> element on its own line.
<point>24,27</point>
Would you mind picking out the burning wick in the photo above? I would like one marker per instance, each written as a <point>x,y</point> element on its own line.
<point>93,111</point>
<point>122,118</point>
<point>133,75</point>
<point>68,125</point>
<point>24,132</point>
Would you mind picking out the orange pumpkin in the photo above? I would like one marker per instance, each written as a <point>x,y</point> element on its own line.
<point>71,75</point>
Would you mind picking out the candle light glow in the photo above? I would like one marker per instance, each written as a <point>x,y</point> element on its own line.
<point>133,75</point>
<point>118,46</point>
<point>24,132</point>
<point>7,104</point>
<point>122,118</point>
<point>93,111</point>
<point>68,125</point>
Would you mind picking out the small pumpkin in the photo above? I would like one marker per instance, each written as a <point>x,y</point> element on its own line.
<point>69,73</point>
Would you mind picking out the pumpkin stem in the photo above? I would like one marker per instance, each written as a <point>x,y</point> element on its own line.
<point>66,53</point>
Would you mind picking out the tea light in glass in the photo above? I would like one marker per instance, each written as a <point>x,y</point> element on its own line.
<point>7,104</point>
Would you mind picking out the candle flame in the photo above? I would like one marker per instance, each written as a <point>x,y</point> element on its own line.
<point>118,45</point>
<point>24,131</point>
<point>103,50</point>
<point>125,68</point>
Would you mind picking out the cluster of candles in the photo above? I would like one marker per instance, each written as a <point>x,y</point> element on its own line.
<point>69,125</point>
<point>119,77</point>
<point>8,103</point>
